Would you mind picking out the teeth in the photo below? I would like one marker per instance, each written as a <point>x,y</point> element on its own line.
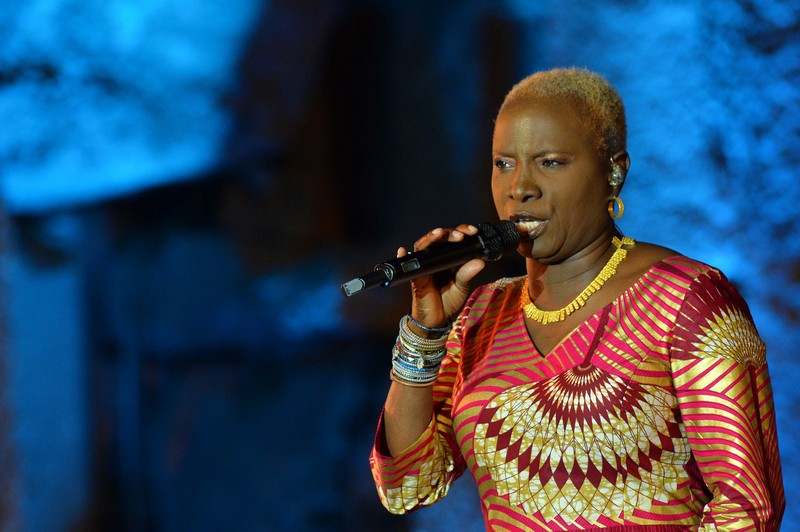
<point>530,228</point>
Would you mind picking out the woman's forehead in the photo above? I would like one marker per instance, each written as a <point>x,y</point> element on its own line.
<point>541,120</point>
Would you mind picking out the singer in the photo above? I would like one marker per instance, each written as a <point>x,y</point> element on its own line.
<point>617,385</point>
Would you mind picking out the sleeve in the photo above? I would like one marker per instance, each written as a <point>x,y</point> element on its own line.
<point>725,398</point>
<point>422,474</point>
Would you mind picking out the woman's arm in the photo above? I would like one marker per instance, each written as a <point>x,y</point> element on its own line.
<point>415,458</point>
<point>422,472</point>
<point>723,387</point>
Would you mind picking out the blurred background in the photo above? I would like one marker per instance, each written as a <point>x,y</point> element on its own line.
<point>184,187</point>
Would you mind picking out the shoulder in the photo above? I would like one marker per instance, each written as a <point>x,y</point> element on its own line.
<point>646,258</point>
<point>701,290</point>
<point>714,320</point>
<point>501,289</point>
<point>643,256</point>
<point>680,276</point>
<point>710,315</point>
<point>492,298</point>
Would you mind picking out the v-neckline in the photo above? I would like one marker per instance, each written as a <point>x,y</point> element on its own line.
<point>558,346</point>
<point>591,321</point>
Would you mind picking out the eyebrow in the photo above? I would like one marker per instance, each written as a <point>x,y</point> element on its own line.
<point>539,153</point>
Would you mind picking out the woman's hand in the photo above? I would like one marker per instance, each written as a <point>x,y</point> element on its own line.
<point>438,297</point>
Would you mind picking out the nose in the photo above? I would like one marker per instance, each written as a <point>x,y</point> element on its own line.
<point>524,186</point>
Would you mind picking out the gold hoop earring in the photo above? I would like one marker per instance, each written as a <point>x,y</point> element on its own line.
<point>615,201</point>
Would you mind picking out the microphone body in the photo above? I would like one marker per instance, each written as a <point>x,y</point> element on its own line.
<point>490,243</point>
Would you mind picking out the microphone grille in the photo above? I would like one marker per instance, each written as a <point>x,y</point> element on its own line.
<point>499,237</point>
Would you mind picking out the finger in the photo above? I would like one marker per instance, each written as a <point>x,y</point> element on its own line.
<point>467,229</point>
<point>455,236</point>
<point>401,252</point>
<point>467,272</point>
<point>461,231</point>
<point>428,238</point>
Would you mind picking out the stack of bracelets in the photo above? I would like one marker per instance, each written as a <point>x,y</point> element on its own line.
<point>416,360</point>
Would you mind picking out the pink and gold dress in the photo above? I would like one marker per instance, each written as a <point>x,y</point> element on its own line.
<point>655,414</point>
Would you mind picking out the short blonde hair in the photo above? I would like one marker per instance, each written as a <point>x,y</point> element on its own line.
<point>598,104</point>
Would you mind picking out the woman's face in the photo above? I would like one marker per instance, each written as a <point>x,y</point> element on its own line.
<point>548,177</point>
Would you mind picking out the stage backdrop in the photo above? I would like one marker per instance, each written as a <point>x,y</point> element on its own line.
<point>185,187</point>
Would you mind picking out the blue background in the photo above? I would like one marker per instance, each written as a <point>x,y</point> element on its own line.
<point>185,187</point>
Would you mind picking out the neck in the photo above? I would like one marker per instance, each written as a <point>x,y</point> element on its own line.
<point>557,284</point>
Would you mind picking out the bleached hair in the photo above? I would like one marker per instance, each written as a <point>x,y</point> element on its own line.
<point>597,102</point>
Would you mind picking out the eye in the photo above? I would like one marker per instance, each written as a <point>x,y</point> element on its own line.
<point>551,163</point>
<point>503,163</point>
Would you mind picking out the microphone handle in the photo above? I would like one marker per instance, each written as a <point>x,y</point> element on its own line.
<point>424,262</point>
<point>431,260</point>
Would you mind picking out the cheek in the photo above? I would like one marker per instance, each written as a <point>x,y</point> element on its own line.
<point>579,201</point>
<point>595,202</point>
<point>592,190</point>
<point>498,194</point>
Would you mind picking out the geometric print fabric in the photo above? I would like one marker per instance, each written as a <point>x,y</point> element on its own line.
<point>612,429</point>
<point>562,447</point>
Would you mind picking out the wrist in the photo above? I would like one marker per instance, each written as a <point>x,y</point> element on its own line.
<point>428,329</point>
<point>416,358</point>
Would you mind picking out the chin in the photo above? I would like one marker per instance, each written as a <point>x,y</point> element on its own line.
<point>525,249</point>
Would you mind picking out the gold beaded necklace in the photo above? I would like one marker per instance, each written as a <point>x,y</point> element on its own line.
<point>551,316</point>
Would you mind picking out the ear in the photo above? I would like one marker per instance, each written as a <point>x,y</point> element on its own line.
<point>623,160</point>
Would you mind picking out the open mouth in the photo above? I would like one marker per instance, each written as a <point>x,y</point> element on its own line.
<point>529,228</point>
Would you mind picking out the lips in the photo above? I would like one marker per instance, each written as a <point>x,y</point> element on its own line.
<point>528,225</point>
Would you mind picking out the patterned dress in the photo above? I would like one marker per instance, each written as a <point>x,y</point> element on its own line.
<point>655,414</point>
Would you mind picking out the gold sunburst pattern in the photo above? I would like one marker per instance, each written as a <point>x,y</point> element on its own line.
<point>731,335</point>
<point>563,446</point>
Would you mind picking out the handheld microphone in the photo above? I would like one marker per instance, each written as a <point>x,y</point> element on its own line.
<point>491,241</point>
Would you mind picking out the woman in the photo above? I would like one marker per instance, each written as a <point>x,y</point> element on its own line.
<point>619,385</point>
